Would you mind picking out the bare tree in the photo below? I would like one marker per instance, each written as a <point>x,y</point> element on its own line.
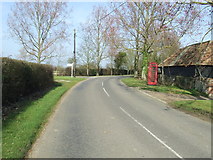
<point>143,21</point>
<point>166,43</point>
<point>38,26</point>
<point>205,2</point>
<point>113,41</point>
<point>129,20</point>
<point>207,10</point>
<point>61,55</point>
<point>130,57</point>
<point>97,29</point>
<point>23,55</point>
<point>86,54</point>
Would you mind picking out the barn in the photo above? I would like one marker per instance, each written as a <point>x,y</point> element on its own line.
<point>190,67</point>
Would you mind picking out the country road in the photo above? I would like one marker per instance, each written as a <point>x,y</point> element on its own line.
<point>103,118</point>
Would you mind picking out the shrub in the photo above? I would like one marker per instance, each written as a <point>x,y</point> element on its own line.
<point>21,78</point>
<point>92,72</point>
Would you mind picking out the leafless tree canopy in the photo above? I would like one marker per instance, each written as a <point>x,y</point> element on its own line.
<point>143,23</point>
<point>86,54</point>
<point>38,26</point>
<point>95,31</point>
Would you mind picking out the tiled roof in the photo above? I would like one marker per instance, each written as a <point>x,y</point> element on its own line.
<point>196,54</point>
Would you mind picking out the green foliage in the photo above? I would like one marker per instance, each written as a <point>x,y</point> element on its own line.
<point>21,78</point>
<point>197,106</point>
<point>21,127</point>
<point>120,59</point>
<point>80,71</point>
<point>145,64</point>
<point>133,82</point>
<point>203,107</point>
<point>68,78</point>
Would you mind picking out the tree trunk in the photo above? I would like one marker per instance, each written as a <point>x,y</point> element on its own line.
<point>39,60</point>
<point>136,66</point>
<point>143,75</point>
<point>87,69</point>
<point>98,69</point>
<point>145,66</point>
<point>163,75</point>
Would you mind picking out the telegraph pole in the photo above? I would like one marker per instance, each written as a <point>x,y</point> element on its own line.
<point>74,52</point>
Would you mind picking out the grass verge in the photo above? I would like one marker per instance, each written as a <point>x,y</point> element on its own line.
<point>200,108</point>
<point>68,78</point>
<point>133,82</point>
<point>21,127</point>
<point>203,107</point>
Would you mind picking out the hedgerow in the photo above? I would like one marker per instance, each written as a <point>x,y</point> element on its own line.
<point>21,78</point>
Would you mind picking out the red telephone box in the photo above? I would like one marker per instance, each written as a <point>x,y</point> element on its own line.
<point>152,73</point>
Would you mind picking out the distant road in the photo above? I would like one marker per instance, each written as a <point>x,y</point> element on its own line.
<point>102,118</point>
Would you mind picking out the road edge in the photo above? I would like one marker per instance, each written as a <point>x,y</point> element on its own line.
<point>52,114</point>
<point>137,89</point>
<point>201,117</point>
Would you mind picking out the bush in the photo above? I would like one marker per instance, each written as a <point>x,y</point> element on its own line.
<point>92,72</point>
<point>80,72</point>
<point>21,78</point>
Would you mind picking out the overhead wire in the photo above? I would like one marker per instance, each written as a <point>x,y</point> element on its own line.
<point>112,11</point>
<point>109,13</point>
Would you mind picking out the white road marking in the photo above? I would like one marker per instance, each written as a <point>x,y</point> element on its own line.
<point>153,97</point>
<point>151,133</point>
<point>102,83</point>
<point>106,92</point>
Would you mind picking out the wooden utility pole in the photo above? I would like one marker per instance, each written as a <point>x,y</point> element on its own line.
<point>74,52</point>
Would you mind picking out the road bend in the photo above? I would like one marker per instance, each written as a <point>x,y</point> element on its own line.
<point>103,118</point>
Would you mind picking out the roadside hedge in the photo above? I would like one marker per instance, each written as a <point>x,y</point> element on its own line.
<point>21,78</point>
<point>92,72</point>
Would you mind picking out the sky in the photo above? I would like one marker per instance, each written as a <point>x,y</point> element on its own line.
<point>80,12</point>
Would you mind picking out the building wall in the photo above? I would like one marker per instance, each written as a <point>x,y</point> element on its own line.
<point>190,71</point>
<point>206,71</point>
<point>180,71</point>
<point>188,78</point>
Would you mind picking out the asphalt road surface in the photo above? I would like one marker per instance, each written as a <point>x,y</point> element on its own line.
<point>103,118</point>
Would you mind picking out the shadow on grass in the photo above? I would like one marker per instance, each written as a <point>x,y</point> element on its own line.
<point>192,107</point>
<point>175,90</point>
<point>23,103</point>
<point>197,93</point>
<point>132,82</point>
<point>187,103</point>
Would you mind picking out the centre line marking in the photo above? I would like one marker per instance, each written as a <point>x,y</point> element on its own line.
<point>106,92</point>
<point>102,84</point>
<point>151,133</point>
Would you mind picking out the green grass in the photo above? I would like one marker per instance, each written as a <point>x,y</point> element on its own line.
<point>203,107</point>
<point>63,78</point>
<point>133,82</point>
<point>21,128</point>
<point>199,107</point>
